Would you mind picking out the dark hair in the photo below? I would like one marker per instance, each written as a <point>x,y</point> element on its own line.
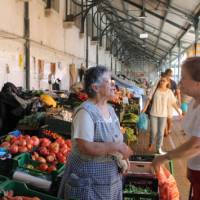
<point>168,71</point>
<point>162,74</point>
<point>93,75</point>
<point>192,65</point>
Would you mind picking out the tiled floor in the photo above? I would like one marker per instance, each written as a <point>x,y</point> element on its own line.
<point>176,138</point>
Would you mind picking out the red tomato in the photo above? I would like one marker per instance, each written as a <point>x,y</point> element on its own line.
<point>35,140</point>
<point>68,143</point>
<point>41,159</point>
<point>51,168</point>
<point>5,145</point>
<point>43,167</point>
<point>14,149</point>
<point>22,149</point>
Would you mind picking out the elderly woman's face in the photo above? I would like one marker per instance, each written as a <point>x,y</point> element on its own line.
<point>106,86</point>
<point>187,85</point>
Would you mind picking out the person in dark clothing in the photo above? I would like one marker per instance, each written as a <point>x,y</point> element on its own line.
<point>12,107</point>
<point>176,91</point>
<point>56,85</point>
<point>81,72</point>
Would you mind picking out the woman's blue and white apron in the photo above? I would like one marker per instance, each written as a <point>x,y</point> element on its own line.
<point>94,178</point>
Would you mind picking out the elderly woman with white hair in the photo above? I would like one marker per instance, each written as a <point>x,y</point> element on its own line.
<point>92,171</point>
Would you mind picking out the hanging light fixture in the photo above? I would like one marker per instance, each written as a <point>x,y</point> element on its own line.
<point>142,14</point>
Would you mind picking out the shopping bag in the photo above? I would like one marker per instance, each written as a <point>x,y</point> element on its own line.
<point>168,189</point>
<point>142,123</point>
<point>184,107</point>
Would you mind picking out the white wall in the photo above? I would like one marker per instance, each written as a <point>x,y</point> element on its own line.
<point>49,42</point>
<point>11,45</point>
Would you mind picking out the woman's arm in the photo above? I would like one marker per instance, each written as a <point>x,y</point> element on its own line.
<point>176,107</point>
<point>188,149</point>
<point>103,148</point>
<point>178,94</point>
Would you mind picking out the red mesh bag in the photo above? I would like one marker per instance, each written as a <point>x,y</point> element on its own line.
<point>168,189</point>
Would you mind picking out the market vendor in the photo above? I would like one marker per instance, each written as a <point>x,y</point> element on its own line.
<point>191,126</point>
<point>92,170</point>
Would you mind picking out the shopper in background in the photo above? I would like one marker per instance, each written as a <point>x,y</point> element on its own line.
<point>191,126</point>
<point>162,99</point>
<point>176,91</point>
<point>92,171</point>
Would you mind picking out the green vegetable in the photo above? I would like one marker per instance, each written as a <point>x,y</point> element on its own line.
<point>131,137</point>
<point>29,166</point>
<point>130,117</point>
<point>131,189</point>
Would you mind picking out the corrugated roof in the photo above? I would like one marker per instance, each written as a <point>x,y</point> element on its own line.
<point>166,22</point>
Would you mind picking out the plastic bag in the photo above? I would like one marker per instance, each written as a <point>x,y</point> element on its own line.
<point>142,123</point>
<point>167,185</point>
<point>184,107</point>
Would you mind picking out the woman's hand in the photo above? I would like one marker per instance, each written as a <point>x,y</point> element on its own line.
<point>143,110</point>
<point>158,161</point>
<point>180,117</point>
<point>125,150</point>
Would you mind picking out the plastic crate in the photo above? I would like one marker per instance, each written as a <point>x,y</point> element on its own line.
<point>142,158</point>
<point>141,164</point>
<point>59,126</point>
<point>149,158</point>
<point>20,189</point>
<point>3,179</point>
<point>138,167</point>
<point>6,166</point>
<point>143,182</point>
<point>23,159</point>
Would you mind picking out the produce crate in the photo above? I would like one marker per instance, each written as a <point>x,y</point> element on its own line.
<point>20,189</point>
<point>149,158</point>
<point>6,166</point>
<point>25,158</point>
<point>6,160</point>
<point>138,167</point>
<point>3,179</point>
<point>141,164</point>
<point>143,158</point>
<point>142,182</point>
<point>59,126</point>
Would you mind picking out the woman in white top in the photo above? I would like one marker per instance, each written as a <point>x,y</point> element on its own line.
<point>191,126</point>
<point>163,100</point>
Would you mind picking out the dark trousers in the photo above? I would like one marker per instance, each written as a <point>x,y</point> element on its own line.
<point>194,178</point>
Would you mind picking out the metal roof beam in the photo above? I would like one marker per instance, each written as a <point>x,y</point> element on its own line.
<point>142,50</point>
<point>125,42</point>
<point>147,24</point>
<point>161,38</point>
<point>183,33</point>
<point>175,8</point>
<point>162,25</point>
<point>156,15</point>
<point>135,41</point>
<point>150,43</point>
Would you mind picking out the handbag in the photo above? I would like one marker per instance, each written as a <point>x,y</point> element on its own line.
<point>148,110</point>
